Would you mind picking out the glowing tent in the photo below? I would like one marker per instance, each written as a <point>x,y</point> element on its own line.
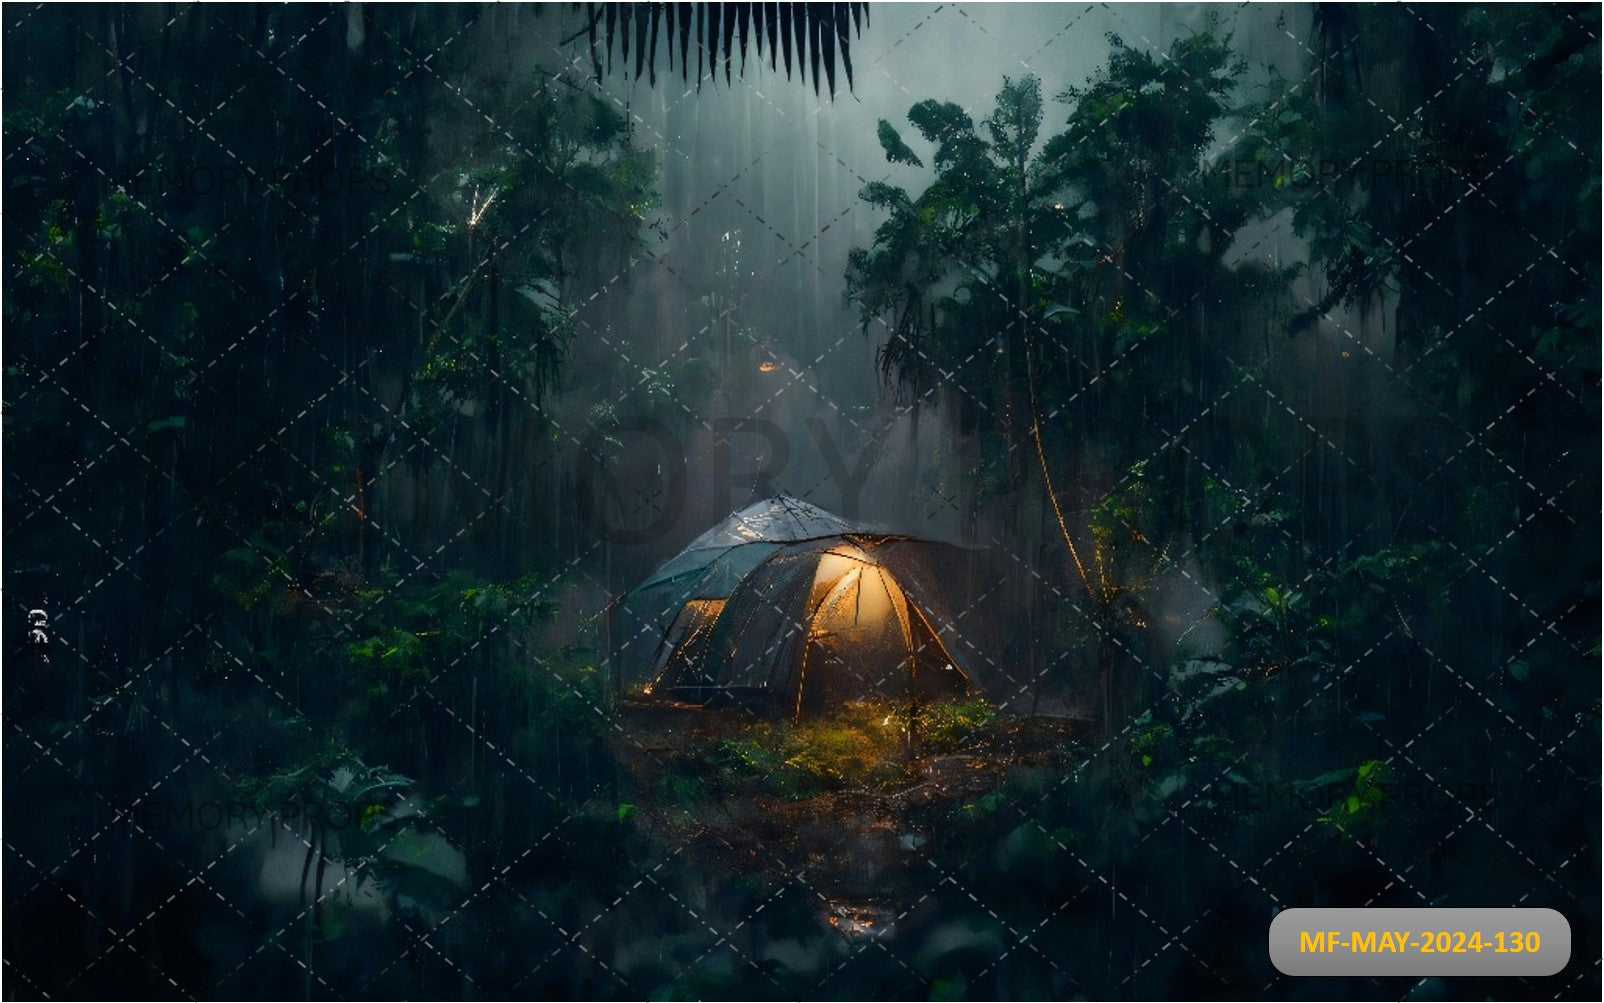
<point>660,609</point>
<point>814,624</point>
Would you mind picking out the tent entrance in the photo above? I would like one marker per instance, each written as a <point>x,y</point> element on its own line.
<point>681,654</point>
<point>812,626</point>
<point>865,638</point>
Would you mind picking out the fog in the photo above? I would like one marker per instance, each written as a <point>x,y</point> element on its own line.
<point>760,204</point>
<point>744,268</point>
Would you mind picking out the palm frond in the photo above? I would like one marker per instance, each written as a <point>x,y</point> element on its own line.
<point>811,37</point>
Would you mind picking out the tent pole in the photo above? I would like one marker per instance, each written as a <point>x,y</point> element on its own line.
<point>802,679</point>
<point>942,645</point>
<point>911,661</point>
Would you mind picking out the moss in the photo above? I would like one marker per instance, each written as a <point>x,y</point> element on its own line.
<point>949,727</point>
<point>861,744</point>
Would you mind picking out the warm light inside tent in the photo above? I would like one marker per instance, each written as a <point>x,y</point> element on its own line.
<point>687,634</point>
<point>855,596</point>
<point>834,563</point>
<point>809,628</point>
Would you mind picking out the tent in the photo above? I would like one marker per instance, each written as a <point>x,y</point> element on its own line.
<point>709,568</point>
<point>816,623</point>
<point>781,519</point>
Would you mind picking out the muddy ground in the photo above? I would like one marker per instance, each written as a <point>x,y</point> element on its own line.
<point>860,842</point>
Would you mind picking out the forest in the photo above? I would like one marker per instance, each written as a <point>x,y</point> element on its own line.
<point>1169,437</point>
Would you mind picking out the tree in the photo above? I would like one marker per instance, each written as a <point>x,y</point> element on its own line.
<point>1028,274</point>
<point>269,315</point>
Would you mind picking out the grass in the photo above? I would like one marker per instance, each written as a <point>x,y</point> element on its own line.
<point>864,744</point>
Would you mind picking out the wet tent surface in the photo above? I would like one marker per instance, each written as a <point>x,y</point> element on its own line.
<point>710,567</point>
<point>781,519</point>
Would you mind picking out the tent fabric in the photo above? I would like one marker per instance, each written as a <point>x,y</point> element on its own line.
<point>683,648</point>
<point>781,519</point>
<point>710,567</point>
<point>820,622</point>
<point>708,574</point>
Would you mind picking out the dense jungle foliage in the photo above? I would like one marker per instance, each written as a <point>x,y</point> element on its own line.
<point>282,469</point>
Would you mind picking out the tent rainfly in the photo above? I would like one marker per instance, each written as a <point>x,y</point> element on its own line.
<point>709,569</point>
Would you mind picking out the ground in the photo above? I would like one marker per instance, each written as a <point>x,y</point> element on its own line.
<point>840,802</point>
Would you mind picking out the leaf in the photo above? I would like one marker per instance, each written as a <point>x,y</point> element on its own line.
<point>888,196</point>
<point>177,421</point>
<point>897,151</point>
<point>543,293</point>
<point>940,121</point>
<point>1169,785</point>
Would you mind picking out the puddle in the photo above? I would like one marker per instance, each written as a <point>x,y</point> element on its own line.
<point>858,921</point>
